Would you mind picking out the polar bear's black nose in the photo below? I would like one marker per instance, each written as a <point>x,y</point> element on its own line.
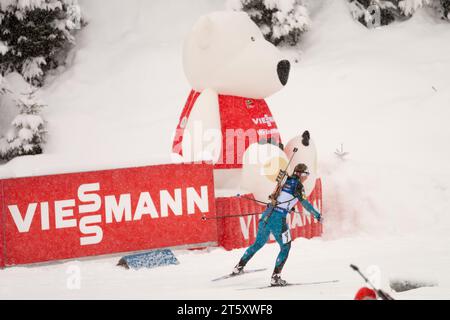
<point>306,137</point>
<point>283,69</point>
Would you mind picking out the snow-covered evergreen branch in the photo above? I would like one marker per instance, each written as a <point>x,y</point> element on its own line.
<point>281,21</point>
<point>35,34</point>
<point>26,135</point>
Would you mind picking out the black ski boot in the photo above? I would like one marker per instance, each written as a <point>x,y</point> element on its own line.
<point>238,269</point>
<point>276,281</point>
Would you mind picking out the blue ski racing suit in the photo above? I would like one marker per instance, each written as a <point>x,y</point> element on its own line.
<point>273,221</point>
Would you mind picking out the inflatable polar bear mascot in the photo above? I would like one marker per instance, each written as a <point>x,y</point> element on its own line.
<point>232,69</point>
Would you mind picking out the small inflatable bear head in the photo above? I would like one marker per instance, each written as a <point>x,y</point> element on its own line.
<point>226,52</point>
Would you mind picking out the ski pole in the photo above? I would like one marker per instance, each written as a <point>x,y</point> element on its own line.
<point>266,203</point>
<point>262,202</point>
<point>380,292</point>
<point>251,199</point>
<point>230,216</point>
<point>204,218</point>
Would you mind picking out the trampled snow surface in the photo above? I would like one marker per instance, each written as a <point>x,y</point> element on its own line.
<point>383,93</point>
<point>309,261</point>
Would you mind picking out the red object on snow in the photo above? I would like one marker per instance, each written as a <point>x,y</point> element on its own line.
<point>366,294</point>
<point>236,113</point>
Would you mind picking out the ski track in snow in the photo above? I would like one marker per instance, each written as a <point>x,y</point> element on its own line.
<point>387,204</point>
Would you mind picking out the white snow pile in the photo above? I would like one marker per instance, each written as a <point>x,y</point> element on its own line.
<point>382,93</point>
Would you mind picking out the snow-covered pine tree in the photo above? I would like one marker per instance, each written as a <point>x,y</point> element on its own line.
<point>373,13</point>
<point>442,7</point>
<point>34,34</point>
<point>408,7</point>
<point>281,21</point>
<point>391,10</point>
<point>2,93</point>
<point>3,86</point>
<point>445,4</point>
<point>27,133</point>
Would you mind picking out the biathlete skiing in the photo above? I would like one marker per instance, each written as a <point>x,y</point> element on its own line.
<point>273,220</point>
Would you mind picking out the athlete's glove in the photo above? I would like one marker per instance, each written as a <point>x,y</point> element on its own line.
<point>318,217</point>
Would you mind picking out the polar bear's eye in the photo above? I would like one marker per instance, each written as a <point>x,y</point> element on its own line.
<point>253,39</point>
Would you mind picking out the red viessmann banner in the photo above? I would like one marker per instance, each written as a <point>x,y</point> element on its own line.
<point>92,213</point>
<point>2,228</point>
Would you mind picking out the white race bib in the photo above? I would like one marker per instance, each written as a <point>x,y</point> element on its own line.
<point>286,237</point>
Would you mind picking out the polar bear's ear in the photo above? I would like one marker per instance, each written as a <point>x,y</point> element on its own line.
<point>203,32</point>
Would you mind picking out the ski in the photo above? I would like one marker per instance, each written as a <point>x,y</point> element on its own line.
<point>239,274</point>
<point>290,285</point>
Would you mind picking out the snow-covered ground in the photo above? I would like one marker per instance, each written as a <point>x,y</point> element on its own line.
<point>383,93</point>
<point>310,261</point>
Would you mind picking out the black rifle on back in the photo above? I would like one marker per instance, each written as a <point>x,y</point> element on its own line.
<point>281,179</point>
